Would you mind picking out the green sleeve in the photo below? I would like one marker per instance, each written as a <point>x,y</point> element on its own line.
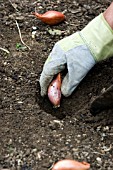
<point>98,36</point>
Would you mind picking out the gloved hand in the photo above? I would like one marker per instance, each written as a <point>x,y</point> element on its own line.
<point>78,53</point>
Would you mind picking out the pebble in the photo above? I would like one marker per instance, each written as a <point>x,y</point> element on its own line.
<point>99,160</point>
<point>33,34</point>
<point>106,128</point>
<point>10,142</point>
<point>34,28</point>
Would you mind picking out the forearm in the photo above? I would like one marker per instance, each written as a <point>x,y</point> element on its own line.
<point>108,15</point>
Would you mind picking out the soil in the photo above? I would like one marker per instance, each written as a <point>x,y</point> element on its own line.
<point>34,135</point>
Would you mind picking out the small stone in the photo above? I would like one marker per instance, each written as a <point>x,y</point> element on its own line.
<point>10,142</point>
<point>99,160</point>
<point>34,28</point>
<point>33,34</point>
<point>19,162</point>
<point>106,128</point>
<point>34,150</point>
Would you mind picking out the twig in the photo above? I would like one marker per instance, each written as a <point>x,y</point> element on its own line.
<point>98,153</point>
<point>13,5</point>
<point>3,49</point>
<point>21,36</point>
<point>35,10</point>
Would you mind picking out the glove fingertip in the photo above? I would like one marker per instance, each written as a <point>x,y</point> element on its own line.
<point>42,94</point>
<point>44,83</point>
<point>66,87</point>
<point>64,91</point>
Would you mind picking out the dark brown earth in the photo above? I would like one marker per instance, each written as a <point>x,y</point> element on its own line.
<point>33,135</point>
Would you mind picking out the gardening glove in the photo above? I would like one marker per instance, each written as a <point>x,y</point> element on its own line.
<point>102,102</point>
<point>78,53</point>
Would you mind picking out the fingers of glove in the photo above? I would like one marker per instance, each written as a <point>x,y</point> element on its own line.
<point>79,62</point>
<point>72,79</point>
<point>68,85</point>
<point>45,79</point>
<point>54,64</point>
<point>44,83</point>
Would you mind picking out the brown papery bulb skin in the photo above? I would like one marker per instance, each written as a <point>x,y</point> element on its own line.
<point>54,91</point>
<point>71,165</point>
<point>51,17</point>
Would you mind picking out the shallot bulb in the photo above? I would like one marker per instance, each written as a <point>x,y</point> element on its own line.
<point>71,165</point>
<point>51,17</point>
<point>54,92</point>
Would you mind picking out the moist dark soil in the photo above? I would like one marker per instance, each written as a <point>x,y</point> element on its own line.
<point>34,135</point>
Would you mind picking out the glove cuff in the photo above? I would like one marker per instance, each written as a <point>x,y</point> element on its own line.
<point>98,36</point>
